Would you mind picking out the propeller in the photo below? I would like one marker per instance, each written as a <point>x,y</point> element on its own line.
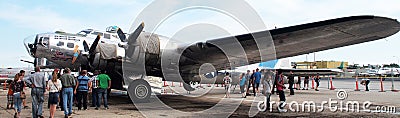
<point>92,48</point>
<point>121,35</point>
<point>85,46</point>
<point>132,40</point>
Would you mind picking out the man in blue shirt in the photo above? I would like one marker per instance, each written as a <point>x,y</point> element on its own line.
<point>81,90</point>
<point>257,78</point>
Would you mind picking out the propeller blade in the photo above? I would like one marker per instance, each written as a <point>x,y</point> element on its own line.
<point>27,61</point>
<point>132,37</point>
<point>85,46</point>
<point>94,45</point>
<point>132,40</point>
<point>121,35</point>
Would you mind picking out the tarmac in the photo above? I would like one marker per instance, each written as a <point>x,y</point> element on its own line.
<point>210,102</point>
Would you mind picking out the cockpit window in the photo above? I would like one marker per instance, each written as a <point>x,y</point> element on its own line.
<point>44,41</point>
<point>107,36</point>
<point>70,45</point>
<point>60,43</point>
<point>97,33</point>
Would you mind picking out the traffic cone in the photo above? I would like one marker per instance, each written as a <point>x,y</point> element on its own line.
<point>332,88</point>
<point>4,85</point>
<point>312,83</point>
<point>165,84</point>
<point>357,84</point>
<point>381,86</point>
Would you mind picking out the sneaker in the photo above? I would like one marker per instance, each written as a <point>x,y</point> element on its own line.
<point>69,114</point>
<point>96,108</point>
<point>316,90</point>
<point>107,108</point>
<point>40,116</point>
<point>65,116</point>
<point>282,110</point>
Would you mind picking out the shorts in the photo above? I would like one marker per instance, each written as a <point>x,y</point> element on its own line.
<point>242,89</point>
<point>306,81</point>
<point>256,85</point>
<point>10,99</point>
<point>53,97</point>
<point>227,87</point>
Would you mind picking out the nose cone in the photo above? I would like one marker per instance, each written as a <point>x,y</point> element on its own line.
<point>30,44</point>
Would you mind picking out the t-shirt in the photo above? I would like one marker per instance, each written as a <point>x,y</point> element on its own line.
<point>280,81</point>
<point>17,86</point>
<point>243,81</point>
<point>257,76</point>
<point>67,80</point>
<point>93,80</point>
<point>291,78</point>
<point>83,83</point>
<point>227,80</point>
<point>54,86</point>
<point>103,80</point>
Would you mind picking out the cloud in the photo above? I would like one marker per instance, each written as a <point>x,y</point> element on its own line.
<point>37,18</point>
<point>106,2</point>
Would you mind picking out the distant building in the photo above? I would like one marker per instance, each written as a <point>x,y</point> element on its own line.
<point>321,64</point>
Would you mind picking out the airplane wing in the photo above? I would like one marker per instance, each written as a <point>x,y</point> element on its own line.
<point>287,42</point>
<point>308,72</point>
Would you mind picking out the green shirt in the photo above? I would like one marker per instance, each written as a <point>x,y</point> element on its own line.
<point>103,80</point>
<point>67,80</point>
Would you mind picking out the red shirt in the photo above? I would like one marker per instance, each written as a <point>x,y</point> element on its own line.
<point>280,81</point>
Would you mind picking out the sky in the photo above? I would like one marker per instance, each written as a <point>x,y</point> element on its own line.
<point>20,19</point>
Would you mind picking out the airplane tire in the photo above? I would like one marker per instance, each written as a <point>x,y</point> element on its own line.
<point>139,91</point>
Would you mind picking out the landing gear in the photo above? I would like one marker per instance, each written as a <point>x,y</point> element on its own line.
<point>187,87</point>
<point>139,91</point>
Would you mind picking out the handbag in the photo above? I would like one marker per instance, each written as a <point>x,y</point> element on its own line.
<point>22,96</point>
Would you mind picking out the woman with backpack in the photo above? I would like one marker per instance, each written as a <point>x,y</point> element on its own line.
<point>17,87</point>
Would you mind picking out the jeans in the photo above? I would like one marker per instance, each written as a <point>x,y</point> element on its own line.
<point>37,101</point>
<point>67,95</point>
<point>82,99</point>
<point>100,94</point>
<point>291,88</point>
<point>17,101</point>
<point>281,95</point>
<point>268,99</point>
<point>94,96</point>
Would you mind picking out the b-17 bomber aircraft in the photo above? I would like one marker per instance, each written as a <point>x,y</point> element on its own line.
<point>129,58</point>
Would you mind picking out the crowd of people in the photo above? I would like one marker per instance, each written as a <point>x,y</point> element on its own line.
<point>271,81</point>
<point>63,90</point>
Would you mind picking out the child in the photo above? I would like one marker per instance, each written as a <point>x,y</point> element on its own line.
<point>10,97</point>
<point>227,81</point>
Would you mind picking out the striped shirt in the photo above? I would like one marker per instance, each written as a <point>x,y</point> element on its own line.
<point>93,80</point>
